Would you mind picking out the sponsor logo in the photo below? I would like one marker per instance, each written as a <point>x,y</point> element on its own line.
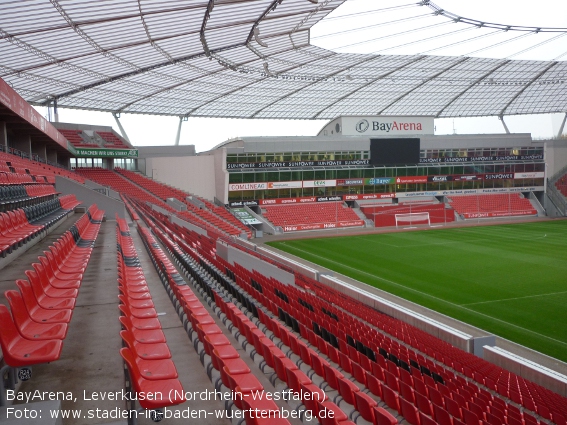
<point>414,179</point>
<point>349,182</point>
<point>243,203</point>
<point>362,126</point>
<point>498,176</point>
<point>396,126</point>
<point>439,178</point>
<point>467,178</point>
<point>534,175</point>
<point>247,186</point>
<point>380,180</point>
<point>329,198</point>
<point>529,157</point>
<point>292,164</point>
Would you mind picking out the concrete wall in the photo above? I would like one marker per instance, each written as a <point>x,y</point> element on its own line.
<point>294,265</point>
<point>40,149</point>
<point>555,155</point>
<point>530,370</point>
<point>3,135</point>
<point>88,197</point>
<point>194,174</point>
<point>249,262</point>
<point>21,143</point>
<point>51,155</point>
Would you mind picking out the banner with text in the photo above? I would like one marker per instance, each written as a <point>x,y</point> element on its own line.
<point>318,226</point>
<point>114,153</point>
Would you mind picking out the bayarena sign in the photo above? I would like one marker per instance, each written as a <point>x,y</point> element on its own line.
<point>387,126</point>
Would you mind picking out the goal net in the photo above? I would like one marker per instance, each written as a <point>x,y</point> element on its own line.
<point>409,219</point>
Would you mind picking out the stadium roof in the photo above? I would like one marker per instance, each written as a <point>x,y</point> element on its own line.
<point>244,59</point>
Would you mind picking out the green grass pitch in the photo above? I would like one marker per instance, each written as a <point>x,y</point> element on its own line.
<point>510,280</point>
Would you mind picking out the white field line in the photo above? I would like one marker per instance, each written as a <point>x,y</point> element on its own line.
<point>516,298</point>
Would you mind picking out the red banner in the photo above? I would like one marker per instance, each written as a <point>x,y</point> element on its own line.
<point>279,201</point>
<point>368,196</point>
<point>499,214</point>
<point>411,179</point>
<point>318,226</point>
<point>17,104</point>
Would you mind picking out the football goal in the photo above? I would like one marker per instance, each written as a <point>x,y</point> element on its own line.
<point>409,219</point>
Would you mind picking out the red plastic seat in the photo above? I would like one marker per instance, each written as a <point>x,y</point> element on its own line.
<point>442,417</point>
<point>36,312</point>
<point>43,300</point>
<point>40,282</point>
<point>409,412</point>
<point>144,323</point>
<point>146,336</point>
<point>27,327</point>
<point>326,418</point>
<point>145,351</point>
<point>20,352</point>
<point>331,376</point>
<point>168,392</point>
<point>453,408</point>
<point>374,385</point>
<point>347,389</point>
<point>426,420</point>
<point>407,392</point>
<point>383,417</point>
<point>391,398</point>
<point>365,405</point>
<point>296,378</point>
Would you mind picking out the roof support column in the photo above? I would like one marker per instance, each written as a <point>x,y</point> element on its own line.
<point>55,111</point>
<point>501,118</point>
<point>122,131</point>
<point>178,136</point>
<point>3,137</point>
<point>560,132</point>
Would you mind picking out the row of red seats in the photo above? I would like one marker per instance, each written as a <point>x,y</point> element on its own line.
<point>214,215</point>
<point>111,140</point>
<point>231,370</point>
<point>561,185</point>
<point>42,308</point>
<point>328,212</point>
<point>440,402</point>
<point>533,397</point>
<point>120,184</point>
<point>460,387</point>
<point>289,372</point>
<point>495,204</point>
<point>44,173</point>
<point>146,353</point>
<point>16,229</point>
<point>256,337</point>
